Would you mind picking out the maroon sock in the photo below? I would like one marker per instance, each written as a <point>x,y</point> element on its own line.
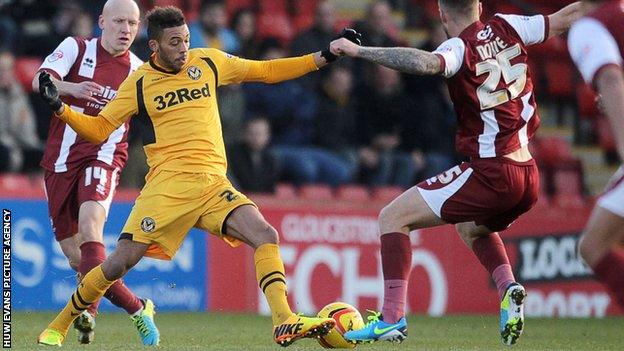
<point>610,271</point>
<point>92,254</point>
<point>490,251</point>
<point>122,297</point>
<point>396,261</point>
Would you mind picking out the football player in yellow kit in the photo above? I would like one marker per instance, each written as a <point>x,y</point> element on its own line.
<point>174,95</point>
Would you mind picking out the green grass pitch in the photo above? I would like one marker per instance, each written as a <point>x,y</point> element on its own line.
<point>214,331</point>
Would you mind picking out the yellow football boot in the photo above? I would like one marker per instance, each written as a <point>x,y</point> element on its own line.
<point>51,337</point>
<point>296,327</point>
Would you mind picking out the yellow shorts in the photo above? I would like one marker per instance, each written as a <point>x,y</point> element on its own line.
<point>171,203</point>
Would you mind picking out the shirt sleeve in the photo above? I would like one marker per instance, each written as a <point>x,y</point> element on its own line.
<point>233,69</point>
<point>125,104</point>
<point>592,47</point>
<point>62,59</point>
<point>93,129</point>
<point>531,29</point>
<point>451,54</point>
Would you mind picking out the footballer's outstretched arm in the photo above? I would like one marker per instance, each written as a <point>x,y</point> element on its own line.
<point>610,85</point>
<point>93,129</point>
<point>278,70</point>
<point>560,21</point>
<point>408,60</point>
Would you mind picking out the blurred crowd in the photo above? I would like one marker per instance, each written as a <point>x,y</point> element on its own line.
<point>352,122</point>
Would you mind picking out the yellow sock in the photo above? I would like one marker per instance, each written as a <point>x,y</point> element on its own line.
<point>90,289</point>
<point>272,281</point>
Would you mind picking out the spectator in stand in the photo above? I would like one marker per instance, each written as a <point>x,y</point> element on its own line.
<point>252,166</point>
<point>377,27</point>
<point>383,108</point>
<point>43,24</point>
<point>210,30</point>
<point>430,134</point>
<point>20,149</point>
<point>335,120</point>
<point>82,25</point>
<point>322,31</point>
<point>287,105</point>
<point>8,33</point>
<point>231,97</point>
<point>244,26</point>
<point>65,18</point>
<point>291,110</point>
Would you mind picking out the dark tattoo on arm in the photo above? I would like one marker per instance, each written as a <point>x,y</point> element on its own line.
<point>408,60</point>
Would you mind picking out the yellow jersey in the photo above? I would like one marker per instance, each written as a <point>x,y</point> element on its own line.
<point>179,109</point>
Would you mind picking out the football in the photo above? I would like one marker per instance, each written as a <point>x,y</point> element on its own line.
<point>347,318</point>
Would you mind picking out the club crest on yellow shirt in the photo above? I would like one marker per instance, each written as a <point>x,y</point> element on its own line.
<point>194,72</point>
<point>148,224</point>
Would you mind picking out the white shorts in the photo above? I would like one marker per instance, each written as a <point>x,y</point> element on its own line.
<point>613,198</point>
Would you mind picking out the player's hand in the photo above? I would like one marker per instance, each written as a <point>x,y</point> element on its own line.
<point>348,34</point>
<point>49,92</point>
<point>344,47</point>
<point>85,90</point>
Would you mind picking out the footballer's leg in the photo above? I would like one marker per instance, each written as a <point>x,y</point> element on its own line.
<point>92,288</point>
<point>599,248</point>
<point>91,218</point>
<point>490,250</point>
<point>407,212</point>
<point>96,188</point>
<point>69,246</point>
<point>247,224</point>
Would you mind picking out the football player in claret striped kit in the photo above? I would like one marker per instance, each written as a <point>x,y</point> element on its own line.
<point>174,96</point>
<point>596,44</point>
<point>81,177</point>
<point>490,83</point>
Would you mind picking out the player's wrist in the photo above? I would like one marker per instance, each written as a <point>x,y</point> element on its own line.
<point>59,111</point>
<point>328,55</point>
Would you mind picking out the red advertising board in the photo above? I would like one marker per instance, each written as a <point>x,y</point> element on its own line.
<point>331,253</point>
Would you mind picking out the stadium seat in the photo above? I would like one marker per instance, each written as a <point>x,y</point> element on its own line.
<point>275,25</point>
<point>386,193</point>
<point>431,9</point>
<point>586,99</point>
<point>606,139</point>
<point>555,48</point>
<point>568,189</point>
<point>285,191</point>
<point>568,201</point>
<point>552,150</point>
<point>560,78</point>
<point>21,186</point>
<point>232,6</point>
<point>508,9</point>
<point>353,193</point>
<point>302,22</point>
<point>274,6</point>
<point>342,22</point>
<point>307,7</point>
<point>25,69</point>
<point>315,192</point>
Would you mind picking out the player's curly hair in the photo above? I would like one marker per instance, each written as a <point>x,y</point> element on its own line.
<point>160,18</point>
<point>458,5</point>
